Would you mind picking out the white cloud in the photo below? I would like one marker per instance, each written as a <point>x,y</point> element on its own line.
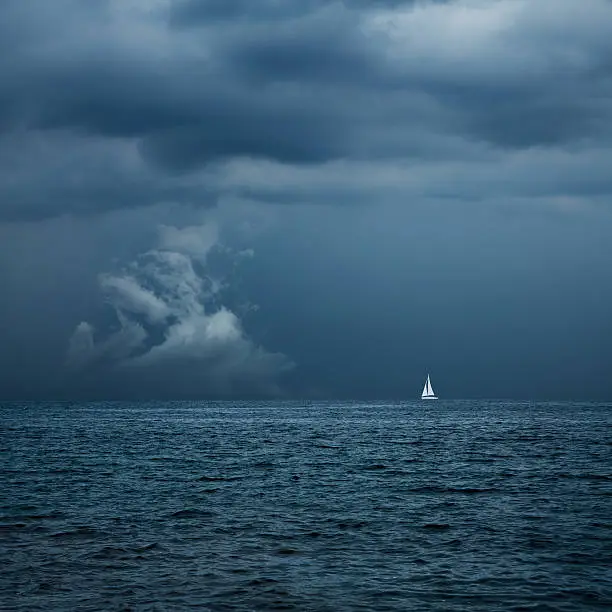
<point>195,241</point>
<point>85,352</point>
<point>495,37</point>
<point>444,31</point>
<point>127,295</point>
<point>168,318</point>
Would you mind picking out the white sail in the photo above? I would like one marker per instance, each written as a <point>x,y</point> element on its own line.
<point>425,389</point>
<point>428,392</point>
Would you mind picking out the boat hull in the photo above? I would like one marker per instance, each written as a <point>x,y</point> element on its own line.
<point>429,397</point>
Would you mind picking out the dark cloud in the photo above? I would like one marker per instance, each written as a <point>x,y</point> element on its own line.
<point>193,13</point>
<point>324,48</point>
<point>234,134</point>
<point>295,82</point>
<point>47,174</point>
<point>381,108</point>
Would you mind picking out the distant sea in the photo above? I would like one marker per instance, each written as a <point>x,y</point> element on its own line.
<point>463,505</point>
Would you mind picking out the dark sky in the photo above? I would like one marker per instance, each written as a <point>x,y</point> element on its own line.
<point>305,198</point>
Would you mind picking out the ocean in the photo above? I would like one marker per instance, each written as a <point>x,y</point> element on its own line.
<point>447,505</point>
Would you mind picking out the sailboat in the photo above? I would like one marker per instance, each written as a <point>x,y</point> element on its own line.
<point>428,392</point>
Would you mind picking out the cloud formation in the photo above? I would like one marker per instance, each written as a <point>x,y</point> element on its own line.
<point>115,104</point>
<point>436,131</point>
<point>168,319</point>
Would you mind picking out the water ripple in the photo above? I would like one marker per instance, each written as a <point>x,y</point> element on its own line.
<point>319,506</point>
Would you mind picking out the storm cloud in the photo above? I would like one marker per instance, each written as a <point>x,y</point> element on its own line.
<point>121,117</point>
<point>118,104</point>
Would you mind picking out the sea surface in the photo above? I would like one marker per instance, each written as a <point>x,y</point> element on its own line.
<point>463,505</point>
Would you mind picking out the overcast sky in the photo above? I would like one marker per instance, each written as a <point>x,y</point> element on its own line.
<point>305,198</point>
